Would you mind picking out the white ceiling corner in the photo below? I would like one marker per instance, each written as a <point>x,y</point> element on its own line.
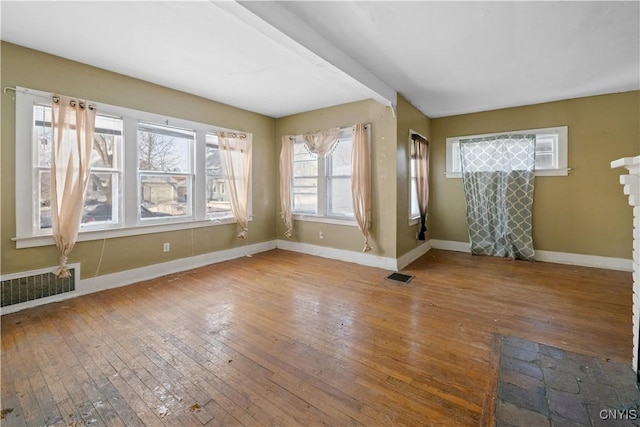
<point>282,58</point>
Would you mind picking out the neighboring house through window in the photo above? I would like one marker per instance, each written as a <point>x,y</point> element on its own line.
<point>149,173</point>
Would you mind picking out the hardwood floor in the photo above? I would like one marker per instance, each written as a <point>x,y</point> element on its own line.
<point>288,339</point>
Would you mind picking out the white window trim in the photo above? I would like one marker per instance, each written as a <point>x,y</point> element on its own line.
<point>413,219</point>
<point>563,145</point>
<point>336,220</point>
<point>130,224</point>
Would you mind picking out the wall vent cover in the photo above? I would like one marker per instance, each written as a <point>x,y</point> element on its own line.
<point>36,286</point>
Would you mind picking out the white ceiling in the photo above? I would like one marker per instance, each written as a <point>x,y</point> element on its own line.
<point>281,58</point>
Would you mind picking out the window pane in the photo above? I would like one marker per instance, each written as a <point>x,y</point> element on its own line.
<point>546,151</point>
<point>545,161</point>
<point>340,201</point>
<point>455,158</point>
<point>218,204</point>
<point>106,142</point>
<point>163,148</point>
<point>306,202</point>
<point>306,168</point>
<point>213,163</point>
<point>44,203</point>
<point>301,153</point>
<point>415,210</point>
<point>340,158</point>
<point>164,195</point>
<point>101,200</point>
<point>305,195</point>
<point>42,133</point>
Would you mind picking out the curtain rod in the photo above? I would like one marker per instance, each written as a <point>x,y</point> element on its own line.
<point>293,137</point>
<point>73,102</point>
<point>417,137</point>
<point>55,98</point>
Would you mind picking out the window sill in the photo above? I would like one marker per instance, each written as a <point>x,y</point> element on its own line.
<point>88,235</point>
<point>325,220</point>
<point>414,221</point>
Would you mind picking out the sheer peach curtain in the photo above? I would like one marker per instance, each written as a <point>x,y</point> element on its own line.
<point>286,179</point>
<point>73,126</point>
<point>322,142</point>
<point>361,182</point>
<point>235,153</point>
<point>421,151</point>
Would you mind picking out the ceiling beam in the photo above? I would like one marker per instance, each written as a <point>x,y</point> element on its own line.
<point>281,25</point>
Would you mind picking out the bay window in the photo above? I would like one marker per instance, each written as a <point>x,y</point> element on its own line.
<point>149,173</point>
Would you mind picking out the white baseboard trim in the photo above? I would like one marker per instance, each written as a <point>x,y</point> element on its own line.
<point>450,245</point>
<point>413,255</point>
<point>123,278</point>
<point>339,254</point>
<point>620,264</point>
<point>128,277</point>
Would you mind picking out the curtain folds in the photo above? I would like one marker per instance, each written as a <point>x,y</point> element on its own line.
<point>498,181</point>
<point>421,150</point>
<point>361,182</point>
<point>286,180</point>
<point>236,155</point>
<point>73,127</point>
<point>322,142</point>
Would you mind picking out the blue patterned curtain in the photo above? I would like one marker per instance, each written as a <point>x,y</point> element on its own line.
<point>498,175</point>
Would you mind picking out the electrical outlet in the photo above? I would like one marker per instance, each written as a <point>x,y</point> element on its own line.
<point>321,235</point>
<point>166,247</point>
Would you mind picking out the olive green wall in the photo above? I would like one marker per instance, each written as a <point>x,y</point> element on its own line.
<point>583,213</point>
<point>409,118</point>
<point>383,171</point>
<point>37,70</point>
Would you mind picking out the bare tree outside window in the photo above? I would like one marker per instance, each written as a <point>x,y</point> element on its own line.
<point>157,152</point>
<point>165,170</point>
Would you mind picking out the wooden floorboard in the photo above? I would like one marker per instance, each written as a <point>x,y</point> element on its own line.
<point>287,339</point>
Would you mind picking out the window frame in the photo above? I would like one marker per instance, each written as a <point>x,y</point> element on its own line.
<point>561,152</point>
<point>129,222</point>
<point>322,214</point>
<point>229,216</point>
<point>189,176</point>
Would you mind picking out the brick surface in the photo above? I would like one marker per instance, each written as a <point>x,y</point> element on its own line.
<point>521,343</point>
<point>568,405</point>
<point>591,392</point>
<point>557,421</point>
<point>513,415</point>
<point>520,380</point>
<point>616,374</point>
<point>553,352</point>
<point>563,381</point>
<point>533,400</point>
<point>530,369</point>
<point>628,395</point>
<point>520,353</point>
<point>581,372</point>
<point>540,385</point>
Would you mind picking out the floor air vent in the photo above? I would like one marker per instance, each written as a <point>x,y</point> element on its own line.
<point>399,277</point>
<point>29,288</point>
